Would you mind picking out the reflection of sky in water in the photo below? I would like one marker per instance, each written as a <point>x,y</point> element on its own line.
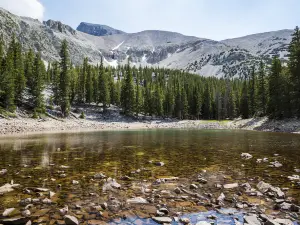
<point>195,218</point>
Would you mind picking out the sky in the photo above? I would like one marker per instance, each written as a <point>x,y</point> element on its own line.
<point>213,19</point>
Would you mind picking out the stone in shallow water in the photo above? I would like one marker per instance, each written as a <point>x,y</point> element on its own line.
<point>193,186</point>
<point>229,186</point>
<point>162,220</point>
<point>8,212</point>
<point>26,213</point>
<point>284,221</point>
<point>203,223</point>
<point>8,188</point>
<point>185,220</point>
<point>252,220</point>
<point>246,156</point>
<point>3,171</point>
<point>263,187</point>
<point>71,220</point>
<point>137,200</point>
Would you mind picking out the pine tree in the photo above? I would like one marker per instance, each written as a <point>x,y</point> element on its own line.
<point>64,85</point>
<point>252,92</point>
<point>1,69</point>
<point>118,93</point>
<point>20,80</point>
<point>294,68</point>
<point>261,90</point>
<point>73,84</point>
<point>206,107</point>
<point>185,105</point>
<point>138,95</point>
<point>29,72</point>
<point>169,102</point>
<point>127,92</point>
<point>8,82</point>
<point>55,82</point>
<point>89,86</point>
<point>82,81</point>
<point>244,107</point>
<point>197,103</point>
<point>275,90</point>
<point>104,94</point>
<point>38,87</point>
<point>158,101</point>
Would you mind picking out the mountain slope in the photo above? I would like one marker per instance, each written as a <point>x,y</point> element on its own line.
<point>232,57</point>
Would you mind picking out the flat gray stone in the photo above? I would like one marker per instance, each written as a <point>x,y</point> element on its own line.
<point>252,220</point>
<point>162,220</point>
<point>230,186</point>
<point>137,200</point>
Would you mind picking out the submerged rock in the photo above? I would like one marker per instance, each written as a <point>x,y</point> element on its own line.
<point>193,186</point>
<point>159,163</point>
<point>75,182</point>
<point>246,156</point>
<point>110,185</point>
<point>8,212</point>
<point>64,210</point>
<point>230,186</point>
<point>276,164</point>
<point>137,200</point>
<point>71,220</point>
<point>15,221</point>
<point>162,220</point>
<point>99,176</point>
<point>185,220</point>
<point>3,171</point>
<point>252,220</point>
<point>263,187</point>
<point>26,213</point>
<point>294,177</point>
<point>8,188</point>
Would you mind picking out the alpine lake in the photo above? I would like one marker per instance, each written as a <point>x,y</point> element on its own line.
<point>131,176</point>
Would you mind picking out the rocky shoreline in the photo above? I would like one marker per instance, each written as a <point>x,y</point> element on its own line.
<point>20,125</point>
<point>210,197</point>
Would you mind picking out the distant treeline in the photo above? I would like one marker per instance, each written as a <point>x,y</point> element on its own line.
<point>273,92</point>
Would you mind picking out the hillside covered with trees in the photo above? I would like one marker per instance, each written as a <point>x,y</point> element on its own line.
<point>24,79</point>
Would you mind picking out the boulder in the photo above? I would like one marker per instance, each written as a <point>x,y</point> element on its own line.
<point>185,220</point>
<point>8,188</point>
<point>203,223</point>
<point>263,187</point>
<point>3,171</point>
<point>110,185</point>
<point>159,163</point>
<point>193,186</point>
<point>15,221</point>
<point>137,200</point>
<point>26,213</point>
<point>294,177</point>
<point>8,212</point>
<point>162,220</point>
<point>230,186</point>
<point>246,156</point>
<point>71,220</point>
<point>252,220</point>
<point>284,221</point>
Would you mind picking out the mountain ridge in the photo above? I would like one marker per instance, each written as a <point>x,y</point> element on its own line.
<point>230,57</point>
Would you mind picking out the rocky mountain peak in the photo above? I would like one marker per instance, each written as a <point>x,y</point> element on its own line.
<point>59,26</point>
<point>98,29</point>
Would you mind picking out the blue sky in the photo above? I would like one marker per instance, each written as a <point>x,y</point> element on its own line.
<point>214,19</point>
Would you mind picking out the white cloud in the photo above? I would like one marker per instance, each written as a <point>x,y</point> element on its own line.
<point>29,8</point>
